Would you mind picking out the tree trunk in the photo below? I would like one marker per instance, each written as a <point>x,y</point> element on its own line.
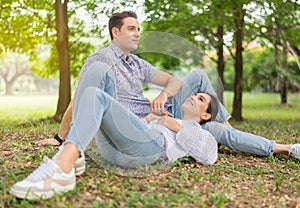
<point>238,83</point>
<point>284,91</point>
<point>9,84</point>
<point>221,62</point>
<point>9,87</point>
<point>284,80</point>
<point>283,66</point>
<point>62,45</point>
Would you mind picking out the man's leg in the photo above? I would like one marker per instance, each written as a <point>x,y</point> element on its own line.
<point>127,132</point>
<point>98,75</point>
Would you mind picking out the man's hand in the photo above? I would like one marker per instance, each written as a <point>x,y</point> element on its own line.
<point>157,105</point>
<point>45,142</point>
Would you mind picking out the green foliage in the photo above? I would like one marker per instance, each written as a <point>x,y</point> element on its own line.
<point>29,28</point>
<point>260,71</point>
<point>24,25</point>
<point>198,21</point>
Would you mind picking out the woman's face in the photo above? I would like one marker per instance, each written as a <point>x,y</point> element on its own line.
<point>197,104</point>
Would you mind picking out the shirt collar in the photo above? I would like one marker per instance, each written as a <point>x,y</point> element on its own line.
<point>119,53</point>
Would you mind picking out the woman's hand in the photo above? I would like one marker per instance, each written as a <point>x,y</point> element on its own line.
<point>170,123</point>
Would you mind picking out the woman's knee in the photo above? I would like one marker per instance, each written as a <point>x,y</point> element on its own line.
<point>201,74</point>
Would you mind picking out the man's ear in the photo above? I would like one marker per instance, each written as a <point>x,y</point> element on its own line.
<point>115,32</point>
<point>205,116</point>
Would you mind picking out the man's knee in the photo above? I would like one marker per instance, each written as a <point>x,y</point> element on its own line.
<point>97,69</point>
<point>90,90</point>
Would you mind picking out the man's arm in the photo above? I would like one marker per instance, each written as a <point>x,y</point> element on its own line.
<point>63,130</point>
<point>172,86</point>
<point>65,124</point>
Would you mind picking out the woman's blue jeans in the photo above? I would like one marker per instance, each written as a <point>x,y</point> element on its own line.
<point>197,81</point>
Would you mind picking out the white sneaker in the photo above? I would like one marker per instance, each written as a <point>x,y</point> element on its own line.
<point>79,163</point>
<point>295,151</point>
<point>46,181</point>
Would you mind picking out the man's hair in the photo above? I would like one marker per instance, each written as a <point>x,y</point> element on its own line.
<point>213,108</point>
<point>116,20</point>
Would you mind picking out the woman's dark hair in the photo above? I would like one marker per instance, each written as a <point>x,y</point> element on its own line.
<point>212,108</point>
<point>116,20</point>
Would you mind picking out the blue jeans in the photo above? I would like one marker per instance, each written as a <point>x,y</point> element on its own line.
<point>197,81</point>
<point>122,137</point>
<point>98,113</point>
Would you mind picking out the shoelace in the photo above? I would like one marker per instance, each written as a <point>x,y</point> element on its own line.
<point>42,171</point>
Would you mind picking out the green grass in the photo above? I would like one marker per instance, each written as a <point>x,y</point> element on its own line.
<point>19,109</point>
<point>237,180</point>
<point>266,106</point>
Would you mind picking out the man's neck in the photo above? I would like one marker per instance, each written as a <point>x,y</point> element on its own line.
<point>126,52</point>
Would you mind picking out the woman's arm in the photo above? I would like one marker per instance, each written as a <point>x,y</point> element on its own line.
<point>197,143</point>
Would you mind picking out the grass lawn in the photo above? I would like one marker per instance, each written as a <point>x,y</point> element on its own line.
<point>236,180</point>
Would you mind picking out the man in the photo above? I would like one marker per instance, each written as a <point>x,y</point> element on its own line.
<point>121,74</point>
<point>125,34</point>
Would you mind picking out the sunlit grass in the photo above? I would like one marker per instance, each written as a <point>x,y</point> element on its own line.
<point>19,109</point>
<point>265,106</point>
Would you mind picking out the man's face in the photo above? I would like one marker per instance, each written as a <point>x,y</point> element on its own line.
<point>197,104</point>
<point>127,38</point>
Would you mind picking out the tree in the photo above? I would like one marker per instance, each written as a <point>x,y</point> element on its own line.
<point>13,66</point>
<point>239,14</point>
<point>22,26</point>
<point>63,49</point>
<point>29,26</point>
<point>211,21</point>
<point>280,30</point>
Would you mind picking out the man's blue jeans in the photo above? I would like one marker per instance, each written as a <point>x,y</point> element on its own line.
<point>124,139</point>
<point>121,137</point>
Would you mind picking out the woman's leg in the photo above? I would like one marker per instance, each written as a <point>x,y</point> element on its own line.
<point>240,141</point>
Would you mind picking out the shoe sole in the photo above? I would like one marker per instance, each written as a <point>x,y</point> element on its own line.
<point>79,170</point>
<point>42,194</point>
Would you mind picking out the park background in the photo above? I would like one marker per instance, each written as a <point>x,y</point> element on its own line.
<point>254,46</point>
